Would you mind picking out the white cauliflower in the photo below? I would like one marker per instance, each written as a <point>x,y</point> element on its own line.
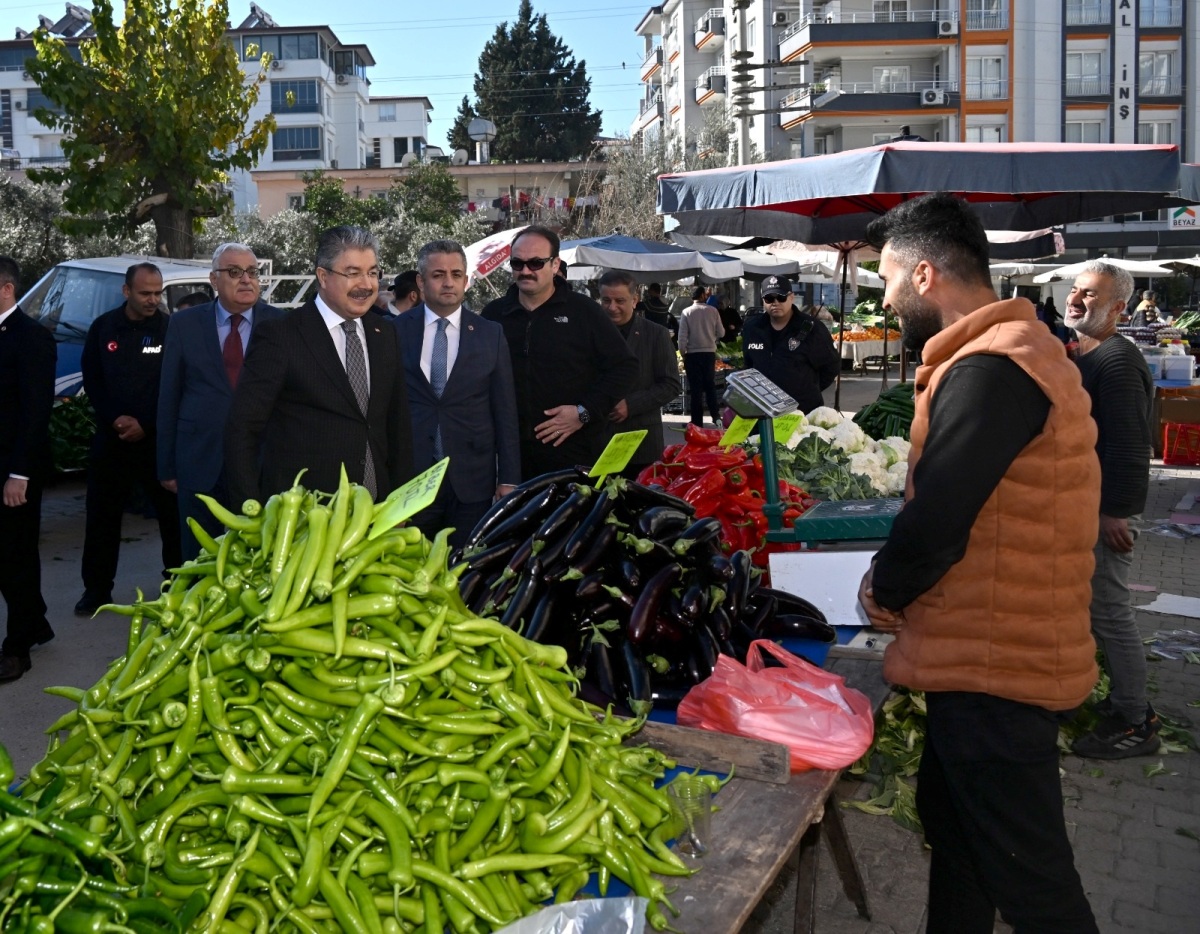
<point>897,475</point>
<point>873,468</point>
<point>803,432</point>
<point>825,417</point>
<point>848,436</point>
<point>895,449</point>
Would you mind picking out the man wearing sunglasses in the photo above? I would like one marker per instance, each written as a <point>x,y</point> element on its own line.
<point>570,364</point>
<point>794,351</point>
<point>323,387</point>
<point>201,362</point>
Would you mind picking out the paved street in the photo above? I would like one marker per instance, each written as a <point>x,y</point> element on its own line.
<point>1136,837</point>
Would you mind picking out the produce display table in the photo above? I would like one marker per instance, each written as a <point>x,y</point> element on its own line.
<point>859,351</point>
<point>761,825</point>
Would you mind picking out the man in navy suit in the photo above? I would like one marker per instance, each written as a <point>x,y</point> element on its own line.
<point>201,364</point>
<point>27,358</point>
<point>460,391</point>
<point>323,386</point>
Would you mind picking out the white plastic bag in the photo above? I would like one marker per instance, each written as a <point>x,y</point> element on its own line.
<point>586,916</point>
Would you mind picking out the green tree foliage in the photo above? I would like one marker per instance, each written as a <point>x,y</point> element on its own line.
<point>531,87</point>
<point>459,138</point>
<point>429,194</point>
<point>155,115</point>
<point>328,203</point>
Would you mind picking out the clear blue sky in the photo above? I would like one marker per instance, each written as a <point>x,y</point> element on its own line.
<point>420,53</point>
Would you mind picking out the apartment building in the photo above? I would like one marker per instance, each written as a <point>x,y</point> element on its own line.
<point>833,75</point>
<point>317,89</point>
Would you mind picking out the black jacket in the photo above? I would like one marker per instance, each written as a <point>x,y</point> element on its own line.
<point>800,359</point>
<point>122,366</point>
<point>27,357</point>
<point>564,352</point>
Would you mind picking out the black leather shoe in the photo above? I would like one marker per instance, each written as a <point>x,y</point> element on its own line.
<point>43,636</point>
<point>13,666</point>
<point>89,603</point>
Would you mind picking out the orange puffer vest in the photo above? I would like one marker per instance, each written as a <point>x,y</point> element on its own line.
<point>1011,618</point>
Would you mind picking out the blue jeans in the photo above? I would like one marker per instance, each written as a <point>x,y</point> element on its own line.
<point>1114,627</point>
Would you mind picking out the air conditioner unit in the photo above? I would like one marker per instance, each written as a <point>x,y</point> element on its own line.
<point>947,27</point>
<point>333,163</point>
<point>25,76</point>
<point>19,105</point>
<point>779,18</point>
<point>342,79</point>
<point>276,65</point>
<point>933,97</point>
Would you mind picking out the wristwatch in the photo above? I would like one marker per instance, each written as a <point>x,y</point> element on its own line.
<point>584,415</point>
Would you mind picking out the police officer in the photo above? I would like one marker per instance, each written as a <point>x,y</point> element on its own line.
<point>793,350</point>
<point>122,363</point>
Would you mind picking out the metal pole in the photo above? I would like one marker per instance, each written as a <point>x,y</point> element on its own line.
<point>773,509</point>
<point>837,387</point>
<point>743,114</point>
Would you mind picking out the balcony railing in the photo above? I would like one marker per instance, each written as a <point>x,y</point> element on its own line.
<point>1088,85</point>
<point>706,22</point>
<point>1161,86</point>
<point>809,96</point>
<point>986,19</point>
<point>986,89</point>
<point>912,16</point>
<point>653,57</point>
<point>17,163</point>
<point>1160,14</point>
<point>1089,12</point>
<point>645,106</point>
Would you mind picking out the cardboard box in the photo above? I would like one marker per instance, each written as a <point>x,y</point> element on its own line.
<point>1184,411</point>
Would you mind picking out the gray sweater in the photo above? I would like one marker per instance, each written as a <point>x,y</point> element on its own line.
<point>700,328</point>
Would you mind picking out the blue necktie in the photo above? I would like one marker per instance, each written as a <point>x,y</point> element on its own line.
<point>437,378</point>
<point>356,371</point>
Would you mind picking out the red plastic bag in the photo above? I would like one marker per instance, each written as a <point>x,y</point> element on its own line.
<point>825,724</point>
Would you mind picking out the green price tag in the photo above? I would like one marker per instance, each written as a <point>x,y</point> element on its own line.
<point>618,454</point>
<point>786,425</point>
<point>738,431</point>
<point>408,500</point>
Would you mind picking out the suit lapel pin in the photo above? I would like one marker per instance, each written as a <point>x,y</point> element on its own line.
<point>470,327</point>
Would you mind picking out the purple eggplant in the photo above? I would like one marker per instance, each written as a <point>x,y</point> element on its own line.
<point>694,599</point>
<point>522,600</point>
<point>600,668</point>
<point>492,559</point>
<point>718,567</point>
<point>645,611</point>
<point>791,604</point>
<point>658,521</point>
<point>699,532</point>
<point>524,517</point>
<point>596,552</point>
<point>636,673</point>
<point>540,619</point>
<point>500,510</point>
<point>589,528</point>
<point>630,574</point>
<point>591,587</point>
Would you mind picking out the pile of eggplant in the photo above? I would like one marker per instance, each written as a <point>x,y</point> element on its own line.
<point>626,579</point>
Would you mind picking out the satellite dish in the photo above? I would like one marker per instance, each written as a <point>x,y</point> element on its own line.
<point>481,130</point>
<point>460,157</point>
<point>408,159</point>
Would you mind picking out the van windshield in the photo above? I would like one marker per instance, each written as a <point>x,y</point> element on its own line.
<point>71,299</point>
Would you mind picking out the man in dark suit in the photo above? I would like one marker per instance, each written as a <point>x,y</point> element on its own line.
<point>202,362</point>
<point>658,369</point>
<point>27,358</point>
<point>460,390</point>
<point>323,386</point>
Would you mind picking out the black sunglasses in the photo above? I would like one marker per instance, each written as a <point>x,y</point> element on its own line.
<point>772,299</point>
<point>534,264</point>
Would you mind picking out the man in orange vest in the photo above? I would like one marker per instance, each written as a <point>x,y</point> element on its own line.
<point>984,580</point>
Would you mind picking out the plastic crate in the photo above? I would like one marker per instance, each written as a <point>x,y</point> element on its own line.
<point>1181,444</point>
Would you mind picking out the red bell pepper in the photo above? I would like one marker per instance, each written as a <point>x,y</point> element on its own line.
<point>671,452</point>
<point>711,481</point>
<point>698,437</point>
<point>736,478</point>
<point>703,460</point>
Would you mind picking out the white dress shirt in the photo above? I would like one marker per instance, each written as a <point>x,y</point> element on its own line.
<point>334,322</point>
<point>453,335</point>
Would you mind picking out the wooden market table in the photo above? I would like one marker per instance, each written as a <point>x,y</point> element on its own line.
<point>763,822</point>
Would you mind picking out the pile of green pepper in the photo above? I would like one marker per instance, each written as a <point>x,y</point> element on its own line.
<point>312,731</point>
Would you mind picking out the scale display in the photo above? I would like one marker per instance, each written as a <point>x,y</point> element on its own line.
<point>752,395</point>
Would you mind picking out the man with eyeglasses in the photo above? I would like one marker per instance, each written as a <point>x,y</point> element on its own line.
<point>794,351</point>
<point>122,365</point>
<point>205,347</point>
<point>570,364</point>
<point>324,387</point>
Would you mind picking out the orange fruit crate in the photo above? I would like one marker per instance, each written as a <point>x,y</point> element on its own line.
<point>1181,444</point>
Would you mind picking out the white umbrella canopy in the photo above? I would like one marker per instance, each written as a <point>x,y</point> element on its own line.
<point>649,260</point>
<point>1133,267</point>
<point>487,255</point>
<point>1190,265</point>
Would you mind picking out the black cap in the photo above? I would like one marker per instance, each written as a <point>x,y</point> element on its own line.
<point>777,285</point>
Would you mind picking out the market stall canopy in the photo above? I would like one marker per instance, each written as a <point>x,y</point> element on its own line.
<point>1132,266</point>
<point>649,260</point>
<point>1191,265</point>
<point>1189,174</point>
<point>1025,244</point>
<point>1011,186</point>
<point>1022,273</point>
<point>487,255</point>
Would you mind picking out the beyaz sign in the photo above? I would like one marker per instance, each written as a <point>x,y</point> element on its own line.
<point>1185,218</point>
